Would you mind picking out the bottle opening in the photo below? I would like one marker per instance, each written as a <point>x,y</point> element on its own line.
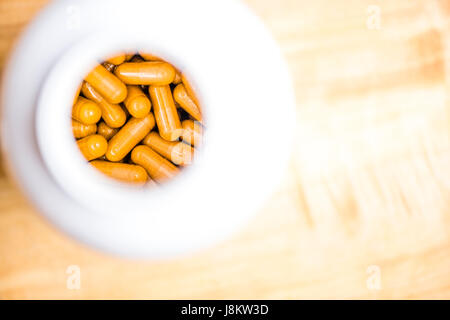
<point>136,118</point>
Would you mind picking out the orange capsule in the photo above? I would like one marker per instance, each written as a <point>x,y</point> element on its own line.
<point>122,171</point>
<point>113,114</point>
<point>117,59</point>
<point>93,147</point>
<point>107,132</point>
<point>107,84</point>
<point>156,73</point>
<point>128,137</point>
<point>137,103</point>
<point>149,57</point>
<point>81,130</point>
<point>178,152</point>
<point>189,89</point>
<point>86,111</point>
<point>166,115</point>
<point>157,167</point>
<point>184,100</point>
<point>192,133</point>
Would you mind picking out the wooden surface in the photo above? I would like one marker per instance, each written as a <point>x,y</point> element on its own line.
<point>365,201</point>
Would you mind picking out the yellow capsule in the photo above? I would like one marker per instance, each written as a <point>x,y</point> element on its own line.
<point>93,147</point>
<point>107,132</point>
<point>184,100</point>
<point>137,103</point>
<point>149,57</point>
<point>117,59</point>
<point>109,66</point>
<point>189,89</point>
<point>107,84</point>
<point>178,152</point>
<point>113,114</point>
<point>128,137</point>
<point>192,133</point>
<point>166,115</point>
<point>86,111</point>
<point>81,130</point>
<point>122,171</point>
<point>157,167</point>
<point>156,73</point>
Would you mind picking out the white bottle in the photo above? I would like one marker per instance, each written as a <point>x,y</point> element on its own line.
<point>247,99</point>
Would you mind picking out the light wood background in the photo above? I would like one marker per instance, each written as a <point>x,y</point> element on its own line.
<point>366,197</point>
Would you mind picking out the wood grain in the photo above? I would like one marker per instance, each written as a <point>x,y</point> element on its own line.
<point>368,185</point>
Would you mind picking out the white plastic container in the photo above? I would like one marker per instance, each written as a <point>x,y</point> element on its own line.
<point>247,99</point>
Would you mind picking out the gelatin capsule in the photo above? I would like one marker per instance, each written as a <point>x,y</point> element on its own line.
<point>156,73</point>
<point>166,115</point>
<point>117,59</point>
<point>93,147</point>
<point>184,100</point>
<point>178,152</point>
<point>129,56</point>
<point>86,111</point>
<point>189,89</point>
<point>122,171</point>
<point>157,167</point>
<point>107,132</point>
<point>81,130</point>
<point>192,133</point>
<point>137,103</point>
<point>107,85</point>
<point>113,114</point>
<point>128,137</point>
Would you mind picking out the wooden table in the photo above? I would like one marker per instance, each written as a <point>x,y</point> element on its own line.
<point>364,210</point>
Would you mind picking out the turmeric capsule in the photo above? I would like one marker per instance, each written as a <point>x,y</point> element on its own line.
<point>86,111</point>
<point>117,59</point>
<point>189,89</point>
<point>107,132</point>
<point>128,137</point>
<point>93,147</point>
<point>113,114</point>
<point>157,167</point>
<point>107,84</point>
<point>122,171</point>
<point>81,130</point>
<point>137,103</point>
<point>166,115</point>
<point>192,133</point>
<point>184,100</point>
<point>156,73</point>
<point>178,152</point>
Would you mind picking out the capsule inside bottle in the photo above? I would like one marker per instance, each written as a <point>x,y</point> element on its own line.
<point>166,114</point>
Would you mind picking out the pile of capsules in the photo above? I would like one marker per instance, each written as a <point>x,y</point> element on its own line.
<point>137,119</point>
